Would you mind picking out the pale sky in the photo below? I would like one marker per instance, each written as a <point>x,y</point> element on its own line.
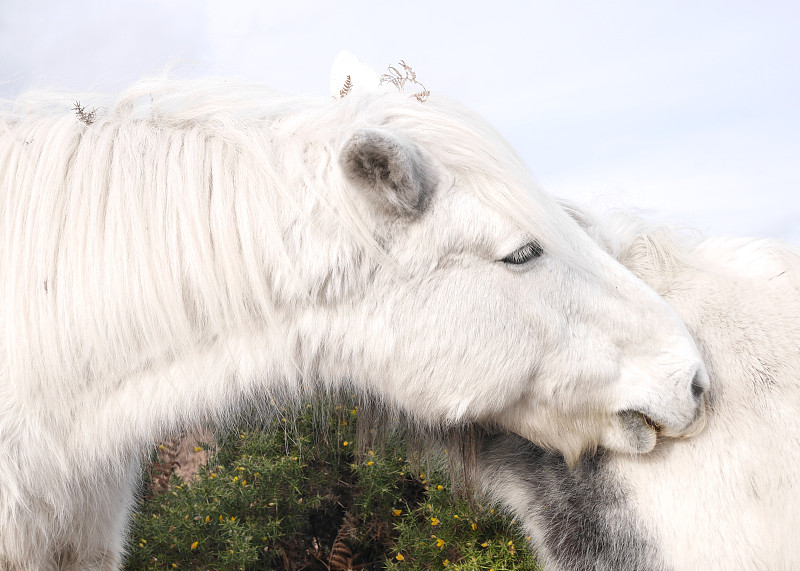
<point>686,110</point>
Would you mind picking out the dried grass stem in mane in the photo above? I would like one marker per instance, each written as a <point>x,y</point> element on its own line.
<point>84,116</point>
<point>348,85</point>
<point>401,78</point>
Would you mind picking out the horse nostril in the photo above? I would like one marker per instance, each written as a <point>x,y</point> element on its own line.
<point>697,386</point>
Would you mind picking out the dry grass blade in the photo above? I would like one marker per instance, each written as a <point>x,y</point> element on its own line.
<point>400,79</point>
<point>348,85</point>
<point>84,116</point>
<point>342,556</point>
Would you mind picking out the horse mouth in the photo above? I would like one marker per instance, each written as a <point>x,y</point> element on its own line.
<point>649,421</point>
<point>639,432</point>
<point>638,421</point>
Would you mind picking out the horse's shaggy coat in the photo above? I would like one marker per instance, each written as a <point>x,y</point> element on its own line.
<point>727,499</point>
<point>200,245</point>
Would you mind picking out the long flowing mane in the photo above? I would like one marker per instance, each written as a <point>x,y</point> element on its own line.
<point>182,164</point>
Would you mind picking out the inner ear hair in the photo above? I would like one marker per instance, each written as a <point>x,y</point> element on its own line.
<point>391,170</point>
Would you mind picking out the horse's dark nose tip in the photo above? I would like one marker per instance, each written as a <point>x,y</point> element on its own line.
<point>698,387</point>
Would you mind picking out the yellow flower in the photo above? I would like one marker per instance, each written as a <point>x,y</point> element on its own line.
<point>197,448</point>
<point>208,519</point>
<point>194,545</point>
<point>371,453</point>
<point>370,463</point>
<point>446,562</point>
<point>397,512</point>
<point>474,526</point>
<point>511,542</point>
<point>434,521</point>
<point>440,543</point>
<point>399,557</point>
<point>455,517</point>
<point>236,478</point>
<point>244,482</point>
<point>440,487</point>
<point>345,443</point>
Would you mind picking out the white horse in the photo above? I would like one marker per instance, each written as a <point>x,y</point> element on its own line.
<point>728,499</point>
<point>200,245</point>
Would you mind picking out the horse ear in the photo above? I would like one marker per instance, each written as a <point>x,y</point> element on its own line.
<point>391,170</point>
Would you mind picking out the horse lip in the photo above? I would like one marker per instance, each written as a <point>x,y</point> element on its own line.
<point>639,418</point>
<point>649,421</point>
<point>639,431</point>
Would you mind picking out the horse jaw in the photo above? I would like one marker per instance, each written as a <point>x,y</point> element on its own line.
<point>570,435</point>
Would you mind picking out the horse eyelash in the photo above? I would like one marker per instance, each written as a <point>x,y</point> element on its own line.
<point>524,254</point>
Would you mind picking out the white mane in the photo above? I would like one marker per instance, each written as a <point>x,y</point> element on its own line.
<point>217,135</point>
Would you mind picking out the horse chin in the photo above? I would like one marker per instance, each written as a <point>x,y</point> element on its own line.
<point>631,432</point>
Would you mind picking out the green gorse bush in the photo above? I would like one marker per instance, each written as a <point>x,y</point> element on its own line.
<point>296,495</point>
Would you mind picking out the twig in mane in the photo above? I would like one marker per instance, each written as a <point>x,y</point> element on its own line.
<point>407,76</point>
<point>86,117</point>
<point>348,85</point>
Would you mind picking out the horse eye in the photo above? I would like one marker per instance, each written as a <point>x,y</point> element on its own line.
<point>524,254</point>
